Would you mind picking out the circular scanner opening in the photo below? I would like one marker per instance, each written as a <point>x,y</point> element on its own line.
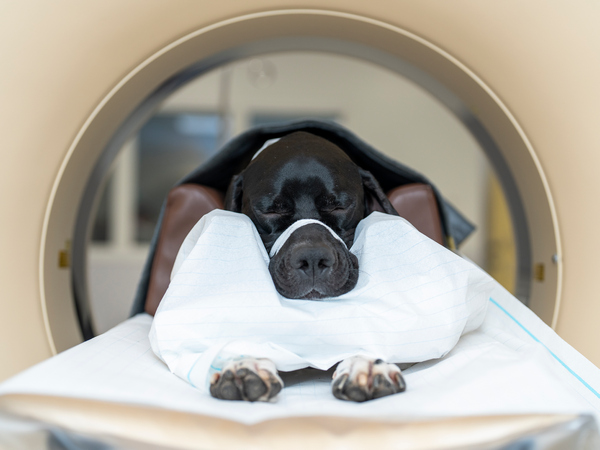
<point>399,110</point>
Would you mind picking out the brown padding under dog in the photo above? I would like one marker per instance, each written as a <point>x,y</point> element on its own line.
<point>186,204</point>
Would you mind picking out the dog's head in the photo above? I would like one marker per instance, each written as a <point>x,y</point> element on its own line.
<point>303,176</point>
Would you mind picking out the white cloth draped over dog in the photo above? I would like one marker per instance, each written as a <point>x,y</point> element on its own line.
<point>413,301</point>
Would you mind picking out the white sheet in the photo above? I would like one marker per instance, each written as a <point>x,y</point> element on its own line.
<point>413,301</point>
<point>512,364</point>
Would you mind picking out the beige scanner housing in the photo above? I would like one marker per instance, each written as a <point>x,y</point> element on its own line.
<point>72,72</point>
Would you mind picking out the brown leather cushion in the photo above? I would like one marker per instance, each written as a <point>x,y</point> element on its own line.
<point>187,203</point>
<point>416,203</point>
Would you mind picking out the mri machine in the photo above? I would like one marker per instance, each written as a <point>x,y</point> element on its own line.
<point>76,77</point>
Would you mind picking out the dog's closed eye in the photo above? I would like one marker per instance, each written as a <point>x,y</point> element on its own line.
<point>276,213</point>
<point>334,209</point>
<point>337,207</point>
<point>274,209</point>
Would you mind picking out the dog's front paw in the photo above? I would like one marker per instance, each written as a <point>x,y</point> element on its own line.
<point>360,379</point>
<point>249,379</point>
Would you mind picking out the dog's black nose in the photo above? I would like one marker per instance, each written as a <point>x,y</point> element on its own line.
<point>313,261</point>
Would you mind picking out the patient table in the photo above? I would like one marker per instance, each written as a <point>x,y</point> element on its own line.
<point>512,381</point>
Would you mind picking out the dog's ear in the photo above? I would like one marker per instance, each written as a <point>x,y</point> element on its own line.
<point>375,199</point>
<point>233,197</point>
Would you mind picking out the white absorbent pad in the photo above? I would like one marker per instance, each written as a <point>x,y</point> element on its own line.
<point>512,364</point>
<point>413,301</point>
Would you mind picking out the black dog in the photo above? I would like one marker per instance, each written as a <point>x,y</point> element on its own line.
<point>303,176</point>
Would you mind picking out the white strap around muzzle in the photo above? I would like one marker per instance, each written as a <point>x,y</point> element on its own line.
<point>293,227</point>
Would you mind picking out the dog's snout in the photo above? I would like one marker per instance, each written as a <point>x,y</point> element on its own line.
<point>313,261</point>
<point>313,264</point>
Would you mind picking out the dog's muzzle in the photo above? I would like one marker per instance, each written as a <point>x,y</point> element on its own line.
<point>310,261</point>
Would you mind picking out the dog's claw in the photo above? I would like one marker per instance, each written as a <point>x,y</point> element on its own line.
<point>338,386</point>
<point>359,379</point>
<point>248,379</point>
